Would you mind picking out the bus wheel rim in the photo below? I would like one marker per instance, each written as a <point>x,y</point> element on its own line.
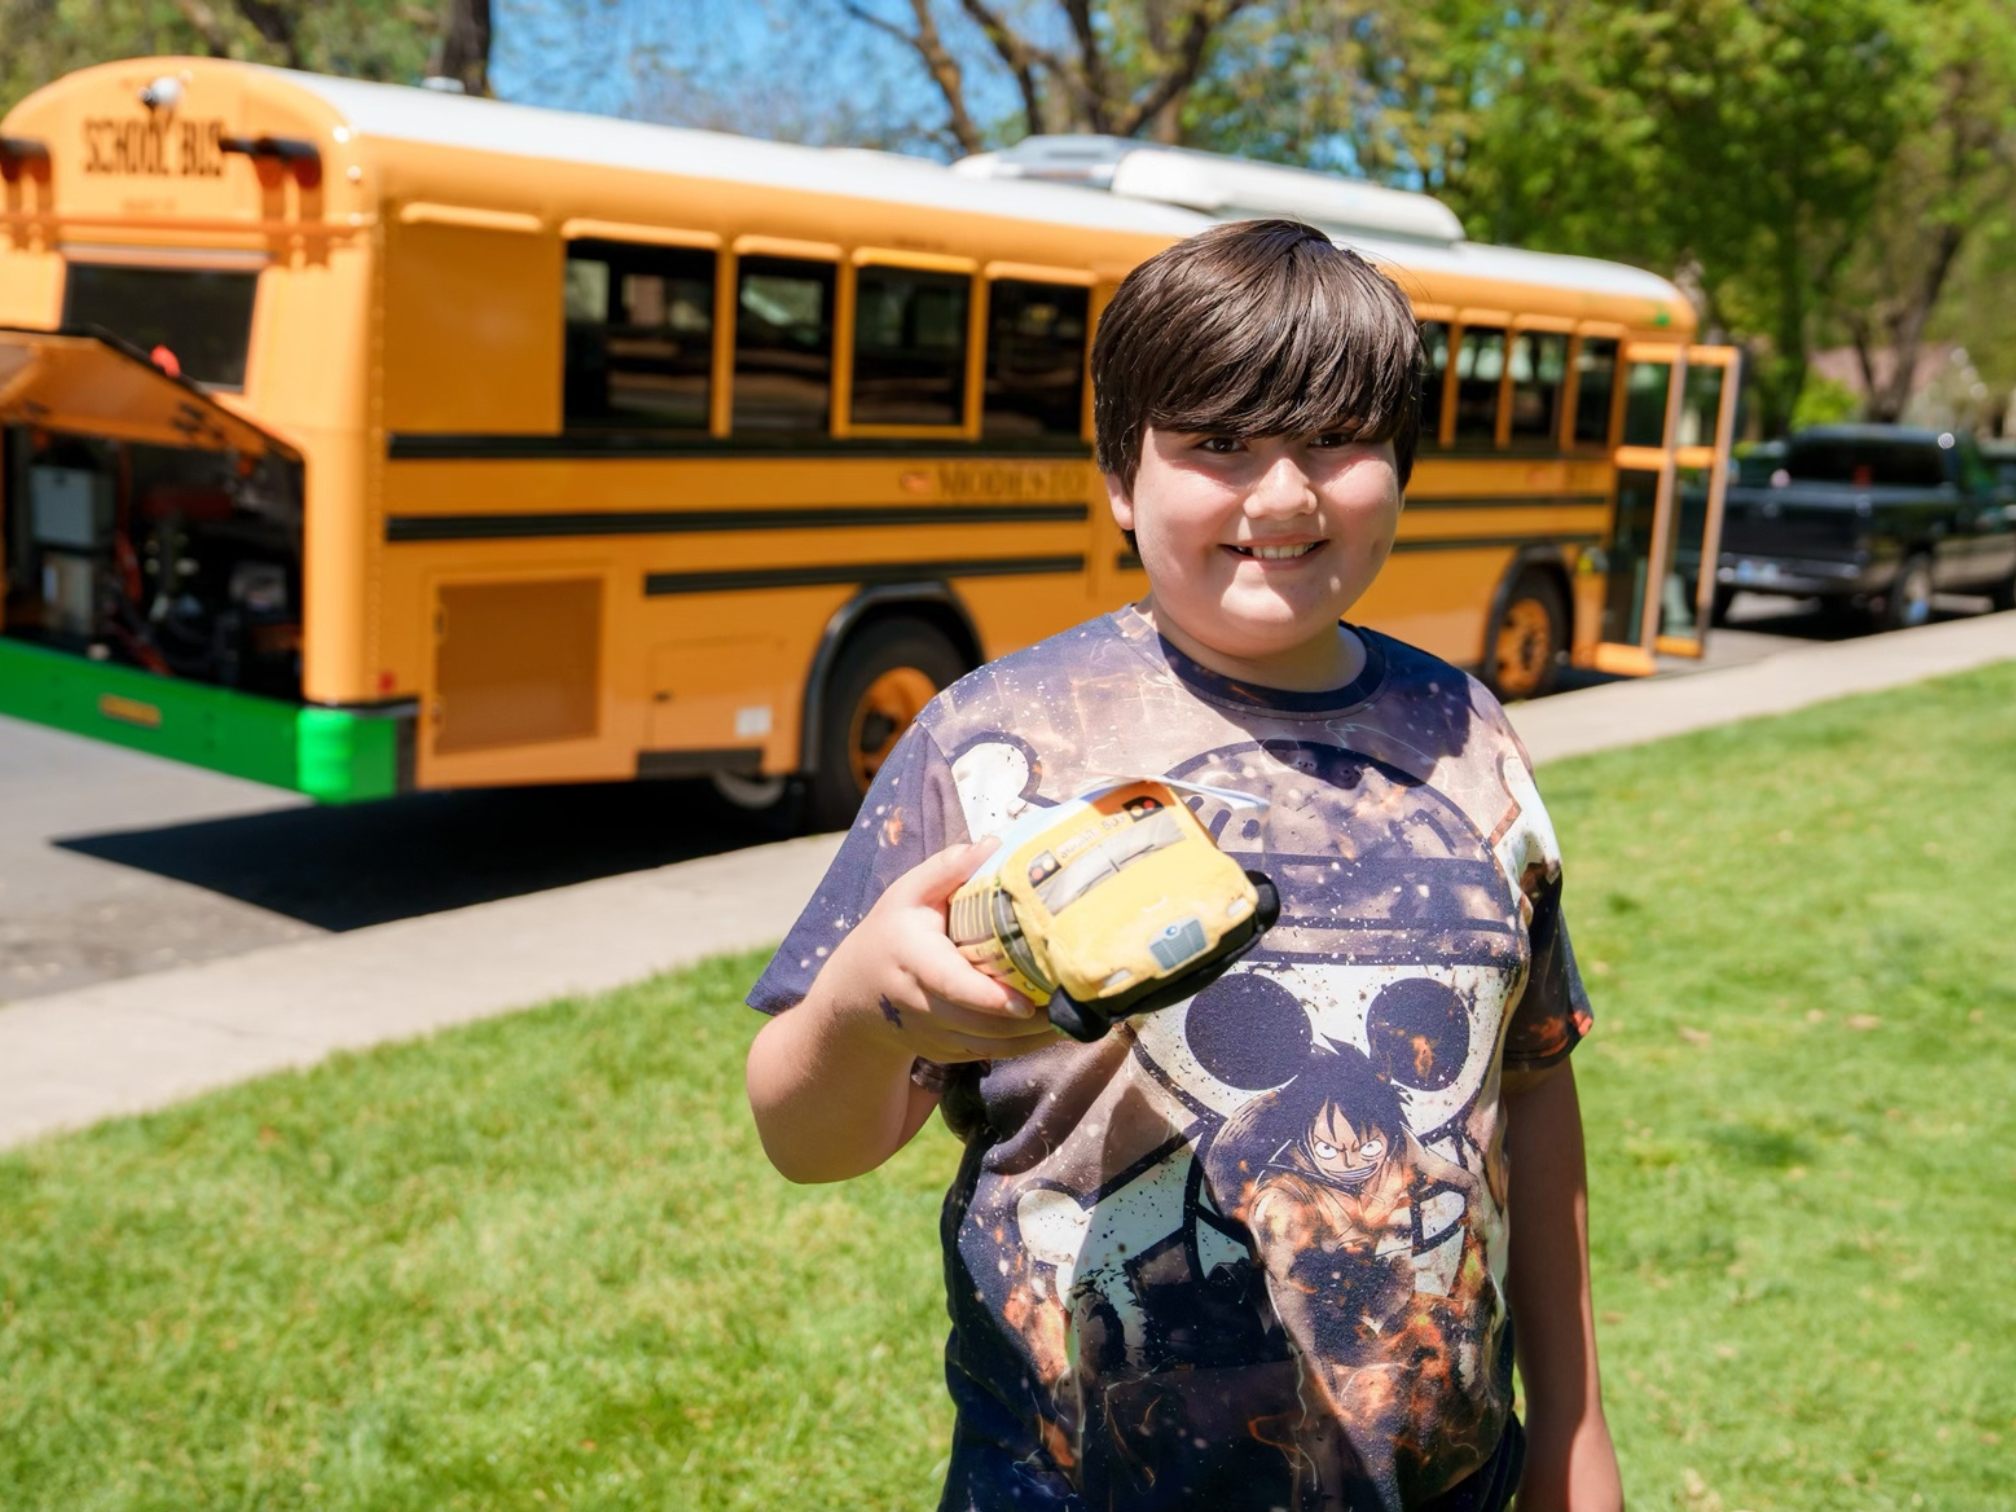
<point>1525,637</point>
<point>880,718</point>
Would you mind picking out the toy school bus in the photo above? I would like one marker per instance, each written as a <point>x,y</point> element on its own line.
<point>1114,903</point>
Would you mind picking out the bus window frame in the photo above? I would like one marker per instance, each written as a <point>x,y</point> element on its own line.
<point>968,427</point>
<point>1098,293</point>
<point>585,228</point>
<point>840,396</point>
<point>1571,407</point>
<point>1501,322</point>
<point>1543,325</point>
<point>1444,315</point>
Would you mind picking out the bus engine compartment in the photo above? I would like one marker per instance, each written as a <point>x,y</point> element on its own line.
<point>179,561</point>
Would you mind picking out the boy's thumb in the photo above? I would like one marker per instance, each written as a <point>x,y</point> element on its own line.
<point>942,875</point>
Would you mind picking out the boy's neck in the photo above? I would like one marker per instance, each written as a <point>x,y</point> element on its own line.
<point>1329,660</point>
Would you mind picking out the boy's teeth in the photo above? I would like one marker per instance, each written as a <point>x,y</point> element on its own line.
<point>1277,553</point>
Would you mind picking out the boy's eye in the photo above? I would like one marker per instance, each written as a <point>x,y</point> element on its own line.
<point>1325,1151</point>
<point>1221,445</point>
<point>1372,1149</point>
<point>1330,439</point>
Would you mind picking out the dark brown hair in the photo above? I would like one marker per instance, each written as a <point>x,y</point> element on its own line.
<point>1256,328</point>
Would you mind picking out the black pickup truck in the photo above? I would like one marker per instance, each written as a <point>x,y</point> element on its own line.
<point>1873,518</point>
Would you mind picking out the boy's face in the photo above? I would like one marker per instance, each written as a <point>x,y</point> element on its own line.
<point>1256,547</point>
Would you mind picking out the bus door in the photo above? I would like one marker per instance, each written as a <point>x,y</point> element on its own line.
<point>1679,411</point>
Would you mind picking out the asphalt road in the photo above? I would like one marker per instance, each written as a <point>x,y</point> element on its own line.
<point>114,864</point>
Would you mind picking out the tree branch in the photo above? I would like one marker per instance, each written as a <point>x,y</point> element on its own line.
<point>1023,59</point>
<point>274,25</point>
<point>208,27</point>
<point>1206,19</point>
<point>938,62</point>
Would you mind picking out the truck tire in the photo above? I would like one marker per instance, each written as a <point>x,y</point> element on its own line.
<point>1522,659</point>
<point>882,680</point>
<point>1908,600</point>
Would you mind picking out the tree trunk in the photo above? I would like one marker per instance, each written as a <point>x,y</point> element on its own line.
<point>465,46</point>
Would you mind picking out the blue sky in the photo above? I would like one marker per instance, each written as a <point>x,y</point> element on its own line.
<point>795,68</point>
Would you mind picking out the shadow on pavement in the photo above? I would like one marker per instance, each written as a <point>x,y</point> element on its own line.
<point>345,868</point>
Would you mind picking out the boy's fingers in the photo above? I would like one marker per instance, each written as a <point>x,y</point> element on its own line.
<point>951,978</point>
<point>934,880</point>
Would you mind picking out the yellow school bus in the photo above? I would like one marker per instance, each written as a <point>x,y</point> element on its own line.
<point>361,438</point>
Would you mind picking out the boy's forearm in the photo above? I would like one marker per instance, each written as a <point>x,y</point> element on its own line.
<point>830,1101</point>
<point>1570,1463</point>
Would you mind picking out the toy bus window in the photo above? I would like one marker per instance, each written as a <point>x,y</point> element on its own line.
<point>1480,363</point>
<point>1106,859</point>
<point>196,322</point>
<point>1595,385</point>
<point>783,345</point>
<point>1435,365</point>
<point>1035,359</point>
<point>1646,386</point>
<point>640,336</point>
<point>909,347</point>
<point>1539,371</point>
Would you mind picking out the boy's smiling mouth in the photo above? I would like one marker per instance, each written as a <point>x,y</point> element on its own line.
<point>1285,552</point>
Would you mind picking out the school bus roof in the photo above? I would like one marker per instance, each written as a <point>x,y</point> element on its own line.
<point>373,124</point>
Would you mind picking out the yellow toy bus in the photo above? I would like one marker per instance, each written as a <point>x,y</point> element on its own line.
<point>360,438</point>
<point>1114,903</point>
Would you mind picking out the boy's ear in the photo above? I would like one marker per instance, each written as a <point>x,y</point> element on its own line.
<point>1121,501</point>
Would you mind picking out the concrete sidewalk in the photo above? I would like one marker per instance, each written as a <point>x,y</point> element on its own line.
<point>145,1042</point>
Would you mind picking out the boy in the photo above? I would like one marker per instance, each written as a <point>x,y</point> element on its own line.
<point>1176,1280</point>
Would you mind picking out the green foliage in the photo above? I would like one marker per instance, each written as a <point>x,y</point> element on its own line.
<point>541,1262</point>
<point>365,39</point>
<point>1823,402</point>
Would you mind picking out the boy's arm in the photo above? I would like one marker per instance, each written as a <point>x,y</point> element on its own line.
<point>1571,1465</point>
<point>829,1079</point>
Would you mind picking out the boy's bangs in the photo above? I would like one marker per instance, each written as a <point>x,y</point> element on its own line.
<point>1305,348</point>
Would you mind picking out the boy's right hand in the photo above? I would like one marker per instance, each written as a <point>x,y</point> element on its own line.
<point>898,976</point>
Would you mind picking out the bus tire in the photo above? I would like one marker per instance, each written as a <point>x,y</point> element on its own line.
<point>881,681</point>
<point>1522,659</point>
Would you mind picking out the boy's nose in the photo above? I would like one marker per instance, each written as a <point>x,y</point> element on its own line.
<point>1283,490</point>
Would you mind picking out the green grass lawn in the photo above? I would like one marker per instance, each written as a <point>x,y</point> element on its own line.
<point>541,1262</point>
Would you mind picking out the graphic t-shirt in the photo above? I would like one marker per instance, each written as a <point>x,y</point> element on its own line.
<point>1248,1251</point>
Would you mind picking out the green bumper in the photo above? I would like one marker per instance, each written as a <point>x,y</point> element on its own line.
<point>332,755</point>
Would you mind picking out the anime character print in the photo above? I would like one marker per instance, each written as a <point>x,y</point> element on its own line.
<point>1248,1251</point>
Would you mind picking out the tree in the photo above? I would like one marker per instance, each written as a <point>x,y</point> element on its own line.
<point>1948,185</point>
<point>1110,68</point>
<point>1738,145</point>
<point>366,39</point>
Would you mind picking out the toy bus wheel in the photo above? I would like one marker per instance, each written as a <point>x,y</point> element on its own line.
<point>881,682</point>
<point>1082,1021</point>
<point>1267,913</point>
<point>1524,657</point>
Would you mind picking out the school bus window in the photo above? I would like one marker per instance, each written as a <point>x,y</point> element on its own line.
<point>1539,370</point>
<point>1645,388</point>
<point>909,347</point>
<point>1595,387</point>
<point>783,345</point>
<point>640,336</point>
<point>1480,364</point>
<point>1435,364</point>
<point>1035,359</point>
<point>201,317</point>
<point>1700,405</point>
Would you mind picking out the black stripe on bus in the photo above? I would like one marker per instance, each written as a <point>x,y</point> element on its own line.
<point>1127,561</point>
<point>522,527</point>
<point>1500,501</point>
<point>1485,543</point>
<point>405,447</point>
<point>862,573</point>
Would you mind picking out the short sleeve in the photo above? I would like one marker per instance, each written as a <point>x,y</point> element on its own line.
<point>911,812</point>
<point>1552,1014</point>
